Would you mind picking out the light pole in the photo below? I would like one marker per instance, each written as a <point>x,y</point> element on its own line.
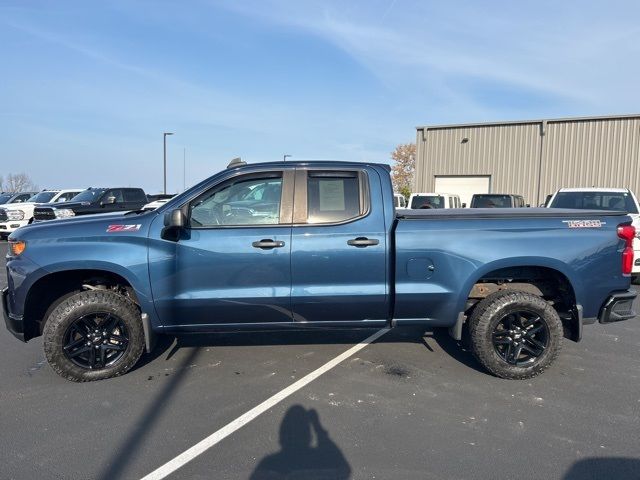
<point>164,141</point>
<point>284,157</point>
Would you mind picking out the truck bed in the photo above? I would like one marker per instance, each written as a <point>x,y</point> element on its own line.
<point>498,213</point>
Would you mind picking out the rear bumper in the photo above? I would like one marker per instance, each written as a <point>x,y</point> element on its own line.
<point>14,322</point>
<point>618,307</point>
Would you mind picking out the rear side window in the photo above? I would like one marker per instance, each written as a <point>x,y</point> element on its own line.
<point>333,196</point>
<point>135,195</point>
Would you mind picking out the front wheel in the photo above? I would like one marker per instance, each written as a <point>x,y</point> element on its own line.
<point>93,335</point>
<point>515,335</point>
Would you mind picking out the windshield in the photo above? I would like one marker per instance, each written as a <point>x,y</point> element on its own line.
<point>42,197</point>
<point>427,201</point>
<point>4,198</point>
<point>618,201</point>
<point>491,201</point>
<point>87,196</point>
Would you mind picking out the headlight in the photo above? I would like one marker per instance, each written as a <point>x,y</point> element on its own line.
<point>16,247</point>
<point>15,214</point>
<point>64,213</point>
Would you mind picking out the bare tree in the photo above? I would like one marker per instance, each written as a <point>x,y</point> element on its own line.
<point>402,172</point>
<point>17,182</point>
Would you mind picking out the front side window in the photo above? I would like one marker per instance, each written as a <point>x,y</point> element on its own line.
<point>243,201</point>
<point>117,194</point>
<point>88,195</point>
<point>333,196</point>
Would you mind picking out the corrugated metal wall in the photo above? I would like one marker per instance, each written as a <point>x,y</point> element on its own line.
<point>601,152</point>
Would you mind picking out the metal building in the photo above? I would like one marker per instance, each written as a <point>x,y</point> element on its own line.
<point>532,158</point>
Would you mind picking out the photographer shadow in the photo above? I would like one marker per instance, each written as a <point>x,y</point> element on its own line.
<point>299,458</point>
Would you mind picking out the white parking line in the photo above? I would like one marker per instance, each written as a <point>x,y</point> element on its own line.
<point>205,444</point>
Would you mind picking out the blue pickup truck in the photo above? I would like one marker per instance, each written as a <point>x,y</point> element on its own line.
<point>315,245</point>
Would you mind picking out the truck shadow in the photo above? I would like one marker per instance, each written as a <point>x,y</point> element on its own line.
<point>415,335</point>
<point>595,468</point>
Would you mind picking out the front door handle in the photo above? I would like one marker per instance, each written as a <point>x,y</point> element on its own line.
<point>362,242</point>
<point>268,244</point>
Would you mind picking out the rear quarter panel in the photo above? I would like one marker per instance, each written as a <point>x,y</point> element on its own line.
<point>462,251</point>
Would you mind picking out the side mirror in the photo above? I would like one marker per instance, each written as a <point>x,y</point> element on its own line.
<point>174,221</point>
<point>108,201</point>
<point>464,205</point>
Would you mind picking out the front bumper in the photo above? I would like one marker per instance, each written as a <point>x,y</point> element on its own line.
<point>11,226</point>
<point>618,307</point>
<point>14,323</point>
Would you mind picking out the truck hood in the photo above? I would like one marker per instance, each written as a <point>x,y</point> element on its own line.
<point>86,226</point>
<point>64,205</point>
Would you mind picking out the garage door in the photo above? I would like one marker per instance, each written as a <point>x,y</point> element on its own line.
<point>465,187</point>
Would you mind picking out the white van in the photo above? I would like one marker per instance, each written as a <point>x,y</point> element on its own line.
<point>434,200</point>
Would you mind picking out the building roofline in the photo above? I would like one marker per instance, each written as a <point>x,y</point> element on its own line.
<point>529,122</point>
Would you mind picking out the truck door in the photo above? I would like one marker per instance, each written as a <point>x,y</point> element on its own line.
<point>338,247</point>
<point>232,262</point>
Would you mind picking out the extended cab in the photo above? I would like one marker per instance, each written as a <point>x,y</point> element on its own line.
<point>94,200</point>
<point>611,199</point>
<point>14,216</point>
<point>312,245</point>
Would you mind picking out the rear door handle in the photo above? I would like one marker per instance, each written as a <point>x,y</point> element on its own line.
<point>362,242</point>
<point>268,244</point>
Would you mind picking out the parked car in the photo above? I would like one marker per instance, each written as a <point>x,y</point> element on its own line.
<point>497,200</point>
<point>93,200</point>
<point>14,216</point>
<point>611,199</point>
<point>434,200</point>
<point>399,201</point>
<point>7,198</point>
<point>245,250</point>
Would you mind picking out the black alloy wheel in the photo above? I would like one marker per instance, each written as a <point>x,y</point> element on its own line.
<point>92,335</point>
<point>520,338</point>
<point>96,341</point>
<point>515,334</point>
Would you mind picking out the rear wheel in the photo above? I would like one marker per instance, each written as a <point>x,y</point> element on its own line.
<point>515,335</point>
<point>93,335</point>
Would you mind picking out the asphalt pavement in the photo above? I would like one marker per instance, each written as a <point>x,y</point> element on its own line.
<point>411,405</point>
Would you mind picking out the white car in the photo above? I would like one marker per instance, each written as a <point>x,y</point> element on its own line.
<point>434,200</point>
<point>14,216</point>
<point>621,199</point>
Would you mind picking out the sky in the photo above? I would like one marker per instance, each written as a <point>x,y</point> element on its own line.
<point>88,88</point>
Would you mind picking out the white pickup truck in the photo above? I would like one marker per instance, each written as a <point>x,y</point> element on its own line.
<point>14,216</point>
<point>615,199</point>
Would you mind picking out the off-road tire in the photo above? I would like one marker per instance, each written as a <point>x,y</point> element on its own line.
<point>489,312</point>
<point>86,303</point>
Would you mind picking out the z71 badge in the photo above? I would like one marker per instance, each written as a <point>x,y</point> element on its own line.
<point>123,228</point>
<point>584,223</point>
